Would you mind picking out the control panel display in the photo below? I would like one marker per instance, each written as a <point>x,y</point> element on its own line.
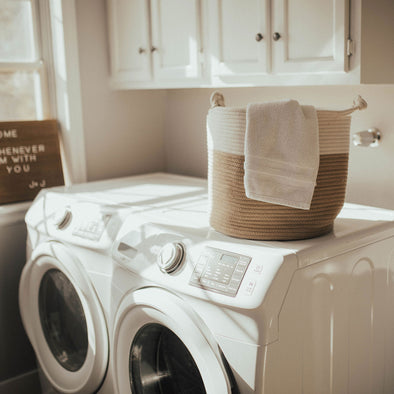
<point>220,271</point>
<point>91,229</point>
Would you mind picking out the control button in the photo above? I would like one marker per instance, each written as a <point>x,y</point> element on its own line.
<point>62,218</point>
<point>199,268</point>
<point>170,257</point>
<point>242,265</point>
<point>231,292</point>
<point>258,268</point>
<point>234,284</point>
<point>238,275</point>
<point>221,287</point>
<point>249,287</point>
<point>207,282</point>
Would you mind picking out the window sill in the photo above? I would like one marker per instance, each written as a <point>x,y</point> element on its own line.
<point>13,213</point>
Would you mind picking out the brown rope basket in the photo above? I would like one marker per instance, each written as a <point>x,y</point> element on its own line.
<point>232,213</point>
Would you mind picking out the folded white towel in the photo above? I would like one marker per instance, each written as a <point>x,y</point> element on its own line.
<point>281,153</point>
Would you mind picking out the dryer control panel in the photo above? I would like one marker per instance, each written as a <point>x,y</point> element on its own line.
<point>220,271</point>
<point>82,223</point>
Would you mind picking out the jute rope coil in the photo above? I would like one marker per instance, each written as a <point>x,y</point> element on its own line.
<point>232,213</point>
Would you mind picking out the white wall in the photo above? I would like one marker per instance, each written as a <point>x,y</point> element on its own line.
<point>128,132</point>
<point>371,170</point>
<point>123,129</point>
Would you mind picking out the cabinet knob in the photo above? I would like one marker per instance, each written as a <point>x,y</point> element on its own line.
<point>276,36</point>
<point>259,37</point>
<point>153,49</point>
<point>141,50</point>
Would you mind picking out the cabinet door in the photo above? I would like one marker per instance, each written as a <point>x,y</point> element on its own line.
<point>176,39</point>
<point>129,40</point>
<point>312,36</point>
<point>238,37</point>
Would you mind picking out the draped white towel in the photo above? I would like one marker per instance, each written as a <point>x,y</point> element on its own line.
<point>281,153</point>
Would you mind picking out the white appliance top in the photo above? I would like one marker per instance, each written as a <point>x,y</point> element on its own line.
<point>184,208</point>
<point>181,204</point>
<point>141,219</point>
<point>90,214</point>
<point>140,190</point>
<point>226,270</point>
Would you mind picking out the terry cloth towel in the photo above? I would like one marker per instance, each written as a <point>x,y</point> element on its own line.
<point>281,153</point>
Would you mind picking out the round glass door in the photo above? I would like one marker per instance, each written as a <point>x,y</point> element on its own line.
<point>160,363</point>
<point>63,320</point>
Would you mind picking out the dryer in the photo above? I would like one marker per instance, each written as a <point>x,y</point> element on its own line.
<point>65,288</point>
<point>200,312</point>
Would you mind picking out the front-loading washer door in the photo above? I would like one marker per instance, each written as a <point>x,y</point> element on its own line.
<point>64,320</point>
<point>162,347</point>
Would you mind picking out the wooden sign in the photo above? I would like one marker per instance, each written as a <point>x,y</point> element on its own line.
<point>29,159</point>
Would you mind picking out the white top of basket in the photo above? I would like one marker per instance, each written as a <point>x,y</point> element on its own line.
<point>226,127</point>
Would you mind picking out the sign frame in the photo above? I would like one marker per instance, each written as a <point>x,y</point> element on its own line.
<point>30,159</point>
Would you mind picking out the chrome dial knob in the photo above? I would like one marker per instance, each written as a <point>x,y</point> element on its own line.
<point>170,257</point>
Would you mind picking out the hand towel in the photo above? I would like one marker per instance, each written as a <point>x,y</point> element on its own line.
<point>281,153</point>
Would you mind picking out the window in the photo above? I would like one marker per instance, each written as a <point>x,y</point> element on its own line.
<point>37,82</point>
<point>23,86</point>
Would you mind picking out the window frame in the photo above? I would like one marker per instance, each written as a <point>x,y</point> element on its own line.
<point>41,92</point>
<point>61,97</point>
<point>67,91</point>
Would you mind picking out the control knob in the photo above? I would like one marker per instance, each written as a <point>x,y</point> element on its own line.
<point>62,218</point>
<point>170,257</point>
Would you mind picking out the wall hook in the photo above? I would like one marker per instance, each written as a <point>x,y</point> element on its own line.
<point>370,137</point>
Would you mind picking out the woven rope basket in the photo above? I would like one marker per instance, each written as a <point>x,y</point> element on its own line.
<point>232,213</point>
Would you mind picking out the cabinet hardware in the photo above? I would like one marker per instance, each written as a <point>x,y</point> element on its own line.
<point>276,36</point>
<point>153,49</point>
<point>141,50</point>
<point>370,137</point>
<point>349,47</point>
<point>259,37</point>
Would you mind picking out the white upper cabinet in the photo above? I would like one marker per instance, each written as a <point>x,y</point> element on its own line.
<point>206,43</point>
<point>155,44</point>
<point>238,37</point>
<point>309,36</point>
<point>129,40</point>
<point>278,42</point>
<point>176,39</point>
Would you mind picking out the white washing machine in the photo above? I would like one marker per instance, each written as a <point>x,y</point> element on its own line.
<point>198,312</point>
<point>65,289</point>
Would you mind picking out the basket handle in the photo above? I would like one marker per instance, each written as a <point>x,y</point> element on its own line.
<point>217,99</point>
<point>358,104</point>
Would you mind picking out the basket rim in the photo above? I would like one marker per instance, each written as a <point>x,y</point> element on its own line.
<point>242,110</point>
